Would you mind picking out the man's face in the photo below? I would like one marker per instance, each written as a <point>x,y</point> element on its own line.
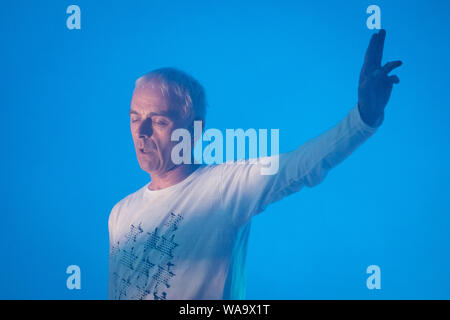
<point>152,120</point>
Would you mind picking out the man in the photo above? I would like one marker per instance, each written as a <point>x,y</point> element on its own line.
<point>184,235</point>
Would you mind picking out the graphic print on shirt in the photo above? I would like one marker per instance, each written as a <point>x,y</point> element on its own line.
<point>144,261</point>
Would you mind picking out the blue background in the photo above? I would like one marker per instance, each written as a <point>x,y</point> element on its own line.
<point>68,157</point>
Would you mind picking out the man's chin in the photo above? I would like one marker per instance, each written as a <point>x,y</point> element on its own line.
<point>149,165</point>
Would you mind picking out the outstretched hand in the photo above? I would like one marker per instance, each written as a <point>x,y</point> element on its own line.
<point>375,84</point>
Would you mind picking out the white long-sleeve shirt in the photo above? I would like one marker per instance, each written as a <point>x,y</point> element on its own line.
<point>189,241</point>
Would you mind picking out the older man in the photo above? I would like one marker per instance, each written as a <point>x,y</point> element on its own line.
<point>184,235</point>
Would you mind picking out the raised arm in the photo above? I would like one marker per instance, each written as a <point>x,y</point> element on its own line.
<point>245,192</point>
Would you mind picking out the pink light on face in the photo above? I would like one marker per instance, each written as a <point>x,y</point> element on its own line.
<point>152,122</point>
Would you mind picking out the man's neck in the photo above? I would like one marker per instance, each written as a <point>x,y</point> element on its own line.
<point>171,177</point>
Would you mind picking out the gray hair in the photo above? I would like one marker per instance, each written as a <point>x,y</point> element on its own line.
<point>179,88</point>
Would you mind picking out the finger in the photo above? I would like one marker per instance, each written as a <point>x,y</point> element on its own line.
<point>394,79</point>
<point>379,47</point>
<point>369,62</point>
<point>388,67</point>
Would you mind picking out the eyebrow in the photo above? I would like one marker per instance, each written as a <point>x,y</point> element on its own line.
<point>165,114</point>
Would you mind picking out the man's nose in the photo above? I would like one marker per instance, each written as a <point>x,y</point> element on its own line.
<point>146,129</point>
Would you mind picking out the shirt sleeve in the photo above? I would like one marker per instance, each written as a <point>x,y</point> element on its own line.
<point>246,192</point>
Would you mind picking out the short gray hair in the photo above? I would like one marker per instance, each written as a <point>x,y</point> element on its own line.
<point>180,88</point>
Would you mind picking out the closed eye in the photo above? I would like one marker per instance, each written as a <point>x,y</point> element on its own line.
<point>160,121</point>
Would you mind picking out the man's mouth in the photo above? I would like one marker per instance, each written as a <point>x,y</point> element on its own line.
<point>146,150</point>
<point>146,147</point>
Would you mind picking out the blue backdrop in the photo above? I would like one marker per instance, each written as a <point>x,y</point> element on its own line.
<point>68,157</point>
